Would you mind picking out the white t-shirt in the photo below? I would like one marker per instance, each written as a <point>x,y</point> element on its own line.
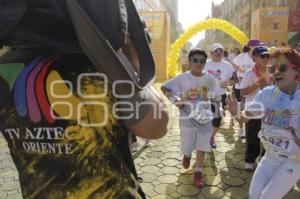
<point>232,56</point>
<point>245,61</point>
<point>192,89</point>
<point>221,71</point>
<point>249,79</point>
<point>280,112</point>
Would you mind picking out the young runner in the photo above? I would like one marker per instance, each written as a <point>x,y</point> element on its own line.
<point>193,88</point>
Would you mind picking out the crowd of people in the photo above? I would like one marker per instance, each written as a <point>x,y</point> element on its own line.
<point>71,99</point>
<point>265,97</point>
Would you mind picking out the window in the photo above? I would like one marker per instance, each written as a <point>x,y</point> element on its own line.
<point>281,2</point>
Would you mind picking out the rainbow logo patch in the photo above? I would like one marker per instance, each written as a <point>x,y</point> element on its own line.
<point>38,90</point>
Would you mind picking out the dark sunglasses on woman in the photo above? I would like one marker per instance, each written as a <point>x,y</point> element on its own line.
<point>280,67</point>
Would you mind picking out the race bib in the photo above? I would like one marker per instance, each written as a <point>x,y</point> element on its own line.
<point>276,141</point>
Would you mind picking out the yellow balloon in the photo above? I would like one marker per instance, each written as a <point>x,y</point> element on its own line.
<point>225,26</point>
<point>272,50</point>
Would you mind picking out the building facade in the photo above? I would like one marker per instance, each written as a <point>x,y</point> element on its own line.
<point>170,6</point>
<point>147,5</point>
<point>161,18</point>
<point>158,26</point>
<point>272,21</point>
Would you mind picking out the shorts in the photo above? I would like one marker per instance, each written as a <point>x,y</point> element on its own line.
<point>216,122</point>
<point>194,139</point>
<point>223,98</point>
<point>237,94</point>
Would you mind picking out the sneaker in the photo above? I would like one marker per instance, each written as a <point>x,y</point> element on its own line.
<point>134,146</point>
<point>249,166</point>
<point>186,162</point>
<point>213,143</point>
<point>147,143</point>
<point>242,134</point>
<point>198,181</point>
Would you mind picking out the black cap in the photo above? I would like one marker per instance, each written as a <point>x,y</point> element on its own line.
<point>260,50</point>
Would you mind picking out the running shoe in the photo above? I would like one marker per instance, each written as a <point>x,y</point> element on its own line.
<point>186,162</point>
<point>242,134</point>
<point>249,166</point>
<point>198,181</point>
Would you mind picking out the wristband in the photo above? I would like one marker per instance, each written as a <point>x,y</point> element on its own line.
<point>173,99</point>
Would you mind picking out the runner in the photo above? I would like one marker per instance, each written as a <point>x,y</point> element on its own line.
<point>235,52</point>
<point>254,80</point>
<point>193,87</point>
<point>279,169</point>
<point>243,62</point>
<point>222,72</point>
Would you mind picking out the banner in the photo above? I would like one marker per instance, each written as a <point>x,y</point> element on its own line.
<point>294,21</point>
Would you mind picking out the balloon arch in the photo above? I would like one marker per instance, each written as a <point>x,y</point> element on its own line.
<point>225,26</point>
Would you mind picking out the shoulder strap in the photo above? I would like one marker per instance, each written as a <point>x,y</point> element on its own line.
<point>102,54</point>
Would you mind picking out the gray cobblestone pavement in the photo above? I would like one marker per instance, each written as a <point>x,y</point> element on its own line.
<point>163,176</point>
<point>9,179</point>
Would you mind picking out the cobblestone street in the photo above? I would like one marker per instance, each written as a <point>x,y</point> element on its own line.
<point>163,176</point>
<point>162,173</point>
<point>81,80</point>
<point>9,179</point>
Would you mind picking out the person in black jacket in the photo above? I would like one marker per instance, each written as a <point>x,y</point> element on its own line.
<point>62,113</point>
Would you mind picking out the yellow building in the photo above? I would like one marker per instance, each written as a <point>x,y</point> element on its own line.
<point>266,20</point>
<point>270,24</point>
<point>158,26</point>
<point>161,17</point>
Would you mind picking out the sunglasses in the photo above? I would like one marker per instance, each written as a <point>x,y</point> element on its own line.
<point>280,67</point>
<point>265,56</point>
<point>195,60</point>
